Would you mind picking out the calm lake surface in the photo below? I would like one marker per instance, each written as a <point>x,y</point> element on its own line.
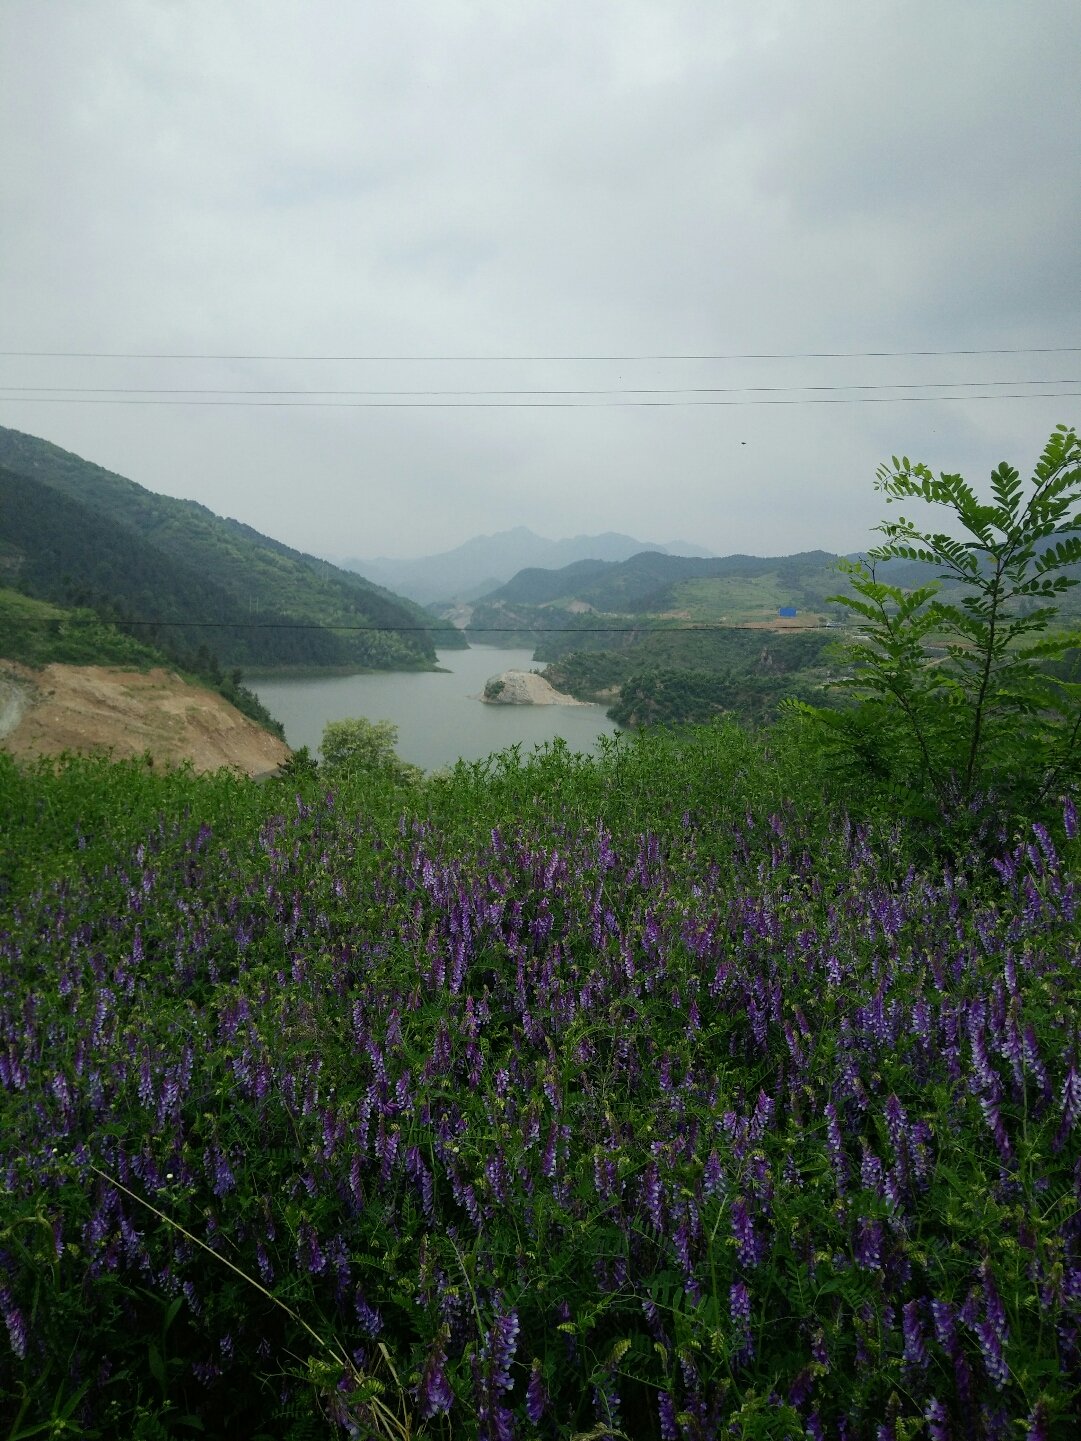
<point>438,716</point>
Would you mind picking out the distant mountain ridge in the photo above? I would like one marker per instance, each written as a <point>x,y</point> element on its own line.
<point>481,564</point>
<point>646,582</point>
<point>76,534</point>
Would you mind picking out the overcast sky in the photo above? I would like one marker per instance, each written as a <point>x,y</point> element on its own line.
<point>342,178</point>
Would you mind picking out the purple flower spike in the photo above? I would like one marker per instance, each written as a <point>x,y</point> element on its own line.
<point>748,1246</point>
<point>1038,1424</point>
<point>937,1421</point>
<point>869,1244</point>
<point>370,1320</point>
<point>669,1424</point>
<point>536,1396</point>
<point>915,1353</point>
<point>739,1307</point>
<point>502,1343</point>
<point>993,1358</point>
<point>436,1396</point>
<point>1071,1105</point>
<point>15,1323</point>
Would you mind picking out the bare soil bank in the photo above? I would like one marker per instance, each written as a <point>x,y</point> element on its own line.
<point>98,708</point>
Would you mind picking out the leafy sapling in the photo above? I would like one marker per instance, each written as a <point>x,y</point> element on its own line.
<point>954,697</point>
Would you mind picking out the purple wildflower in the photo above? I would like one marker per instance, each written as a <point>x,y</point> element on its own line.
<point>871,1175</point>
<point>937,1420</point>
<point>548,1161</point>
<point>536,1396</point>
<point>309,1252</point>
<point>654,1203</point>
<point>712,1175</point>
<point>1038,1424</point>
<point>1071,1106</point>
<point>993,1358</point>
<point>763,1115</point>
<point>944,1326</point>
<point>15,1323</point>
<point>218,1173</point>
<point>995,1310</point>
<point>436,1395</point>
<point>501,1344</point>
<point>371,1323</point>
<point>915,1352</point>
<point>266,1270</point>
<point>869,1244</point>
<point>667,1409</point>
<point>739,1308</point>
<point>748,1245</point>
<point>835,1147</point>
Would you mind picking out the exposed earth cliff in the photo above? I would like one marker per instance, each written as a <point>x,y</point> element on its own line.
<point>128,713</point>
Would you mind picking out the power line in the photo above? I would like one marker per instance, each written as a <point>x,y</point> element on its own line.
<point>498,359</point>
<point>538,404</point>
<point>171,390</point>
<point>433,630</point>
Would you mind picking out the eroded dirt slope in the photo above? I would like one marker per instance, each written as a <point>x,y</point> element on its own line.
<point>97,708</point>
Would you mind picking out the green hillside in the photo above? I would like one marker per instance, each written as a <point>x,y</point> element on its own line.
<point>652,582</point>
<point>38,633</point>
<point>189,579</point>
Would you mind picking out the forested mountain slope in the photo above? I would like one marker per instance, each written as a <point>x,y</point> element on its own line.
<point>77,534</point>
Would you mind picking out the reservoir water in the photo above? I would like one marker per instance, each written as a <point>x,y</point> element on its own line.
<point>438,715</point>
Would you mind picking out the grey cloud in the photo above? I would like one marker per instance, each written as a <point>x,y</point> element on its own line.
<point>437,178</point>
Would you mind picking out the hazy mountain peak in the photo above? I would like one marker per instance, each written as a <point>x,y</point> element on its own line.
<point>477,565</point>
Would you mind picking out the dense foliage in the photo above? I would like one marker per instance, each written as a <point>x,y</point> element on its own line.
<point>643,1096</point>
<point>682,697</point>
<point>675,677</point>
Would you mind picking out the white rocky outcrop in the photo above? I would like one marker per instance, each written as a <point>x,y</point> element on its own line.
<point>523,687</point>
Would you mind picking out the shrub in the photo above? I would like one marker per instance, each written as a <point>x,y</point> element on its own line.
<point>360,746</point>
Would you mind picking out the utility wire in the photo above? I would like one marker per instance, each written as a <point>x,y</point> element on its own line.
<point>434,629</point>
<point>536,404</point>
<point>487,359</point>
<point>230,390</point>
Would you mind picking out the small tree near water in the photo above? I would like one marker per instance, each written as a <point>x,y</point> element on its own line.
<point>364,747</point>
<point>954,698</point>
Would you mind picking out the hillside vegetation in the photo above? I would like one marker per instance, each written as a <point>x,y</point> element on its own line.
<point>37,633</point>
<point>186,579</point>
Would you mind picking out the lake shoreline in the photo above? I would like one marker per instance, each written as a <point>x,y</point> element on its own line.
<point>439,713</point>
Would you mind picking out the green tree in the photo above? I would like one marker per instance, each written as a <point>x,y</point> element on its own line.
<point>955,697</point>
<point>358,746</point>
